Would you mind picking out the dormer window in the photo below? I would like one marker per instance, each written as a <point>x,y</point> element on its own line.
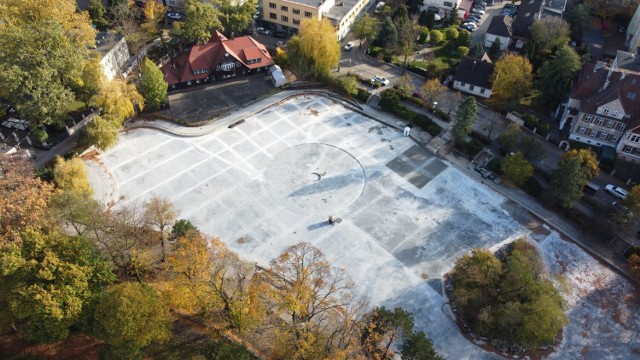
<point>631,95</point>
<point>605,111</point>
<point>253,61</point>
<point>200,71</point>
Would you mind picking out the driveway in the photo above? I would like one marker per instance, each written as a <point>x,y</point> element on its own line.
<point>491,11</point>
<point>203,103</point>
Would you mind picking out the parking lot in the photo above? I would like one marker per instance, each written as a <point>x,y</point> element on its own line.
<point>407,215</point>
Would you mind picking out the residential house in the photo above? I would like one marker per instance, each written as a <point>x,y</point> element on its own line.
<point>114,51</point>
<point>553,8</point>
<point>473,76</point>
<point>603,109</point>
<point>499,28</point>
<point>287,14</point>
<point>528,12</point>
<point>217,60</point>
<point>448,5</point>
<point>632,39</point>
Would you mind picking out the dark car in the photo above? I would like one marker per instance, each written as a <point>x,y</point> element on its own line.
<point>489,2</point>
<point>280,34</point>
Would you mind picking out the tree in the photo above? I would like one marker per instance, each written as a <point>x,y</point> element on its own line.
<point>464,38</point>
<point>532,148</point>
<point>152,85</point>
<point>453,15</point>
<point>464,119</point>
<point>567,182</point>
<point>477,50</point>
<point>512,77</point>
<point>306,290</point>
<point>588,161</point>
<point>431,91</point>
<point>91,80</point>
<point>549,33</point>
<point>102,132</point>
<point>118,101</point>
<point>77,210</point>
<point>315,49</point>
<point>349,84</point>
<point>201,18</point>
<point>632,201</point>
<point>71,175</point>
<point>517,168</point>
<point>281,58</point>
<point>236,17</point>
<point>130,317</point>
<point>365,27</point>
<point>423,19</point>
<point>120,13</point>
<point>98,14</point>
<point>401,16</point>
<point>181,228</point>
<point>452,34</point>
<point>383,328</point>
<point>578,20</point>
<point>160,213</point>
<point>495,51</point>
<point>388,34</point>
<point>404,85</point>
<point>556,74</point>
<point>462,51</point>
<point>24,199</point>
<point>417,346</point>
<point>436,37</point>
<point>407,34</point>
<point>50,279</point>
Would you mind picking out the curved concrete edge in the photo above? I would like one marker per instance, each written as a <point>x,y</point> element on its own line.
<point>104,185</point>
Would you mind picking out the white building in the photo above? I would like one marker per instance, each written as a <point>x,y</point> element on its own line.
<point>114,51</point>
<point>473,76</point>
<point>499,28</point>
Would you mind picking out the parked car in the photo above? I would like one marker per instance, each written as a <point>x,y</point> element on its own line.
<point>381,80</point>
<point>470,27</point>
<point>477,11</point>
<point>257,15</point>
<point>616,191</point>
<point>280,34</point>
<point>262,30</point>
<point>174,16</point>
<point>348,46</point>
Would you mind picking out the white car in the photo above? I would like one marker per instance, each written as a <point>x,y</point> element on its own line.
<point>262,30</point>
<point>381,80</point>
<point>348,46</point>
<point>616,191</point>
<point>174,16</point>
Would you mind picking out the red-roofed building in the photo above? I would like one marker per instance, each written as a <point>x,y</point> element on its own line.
<point>217,60</point>
<point>604,106</point>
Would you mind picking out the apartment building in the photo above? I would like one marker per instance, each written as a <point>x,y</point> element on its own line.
<point>287,14</point>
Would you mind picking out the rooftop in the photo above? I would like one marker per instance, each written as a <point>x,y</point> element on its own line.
<point>475,72</point>
<point>340,9</point>
<point>527,14</point>
<point>500,25</point>
<point>106,41</point>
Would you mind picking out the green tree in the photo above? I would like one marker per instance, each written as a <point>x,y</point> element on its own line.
<point>383,328</point>
<point>98,14</point>
<point>417,346</point>
<point>578,20</point>
<point>517,168</point>
<point>365,27</point>
<point>495,51</point>
<point>549,33</point>
<point>423,19</point>
<point>401,16</point>
<point>464,119</point>
<point>588,160</point>
<point>130,317</point>
<point>464,38</point>
<point>388,35</point>
<point>315,49</point>
<point>556,74</point>
<point>49,281</point>
<point>201,19</point>
<point>452,34</point>
<point>431,91</point>
<point>436,37</point>
<point>181,228</point>
<point>349,84</point>
<point>71,175</point>
<point>477,50</point>
<point>567,182</point>
<point>236,17</point>
<point>512,78</point>
<point>532,148</point>
<point>91,80</point>
<point>152,85</point>
<point>102,132</point>
<point>462,51</point>
<point>407,34</point>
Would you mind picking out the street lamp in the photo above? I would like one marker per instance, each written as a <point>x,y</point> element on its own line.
<point>435,103</point>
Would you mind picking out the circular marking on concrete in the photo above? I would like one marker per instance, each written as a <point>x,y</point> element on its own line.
<point>314,179</point>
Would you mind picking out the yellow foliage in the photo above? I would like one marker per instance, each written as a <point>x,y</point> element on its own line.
<point>117,100</point>
<point>71,175</point>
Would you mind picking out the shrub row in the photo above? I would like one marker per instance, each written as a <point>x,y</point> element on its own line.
<point>390,101</point>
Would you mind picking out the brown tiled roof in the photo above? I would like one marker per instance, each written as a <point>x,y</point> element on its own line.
<point>207,56</point>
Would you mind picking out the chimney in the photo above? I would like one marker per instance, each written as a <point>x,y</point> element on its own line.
<point>473,67</point>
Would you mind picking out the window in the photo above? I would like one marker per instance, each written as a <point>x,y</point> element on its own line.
<point>284,18</point>
<point>448,4</point>
<point>227,66</point>
<point>582,129</point>
<point>273,16</point>
<point>603,135</point>
<point>284,8</point>
<point>588,118</point>
<point>272,5</point>
<point>634,81</point>
<point>609,124</point>
<point>307,14</point>
<point>605,111</point>
<point>599,121</point>
<point>481,91</point>
<point>637,152</point>
<point>296,11</point>
<point>615,112</point>
<point>594,133</point>
<point>614,138</point>
<point>631,95</point>
<point>296,21</point>
<point>634,138</point>
<point>463,84</point>
<point>471,87</point>
<point>620,127</point>
<point>627,149</point>
<point>199,71</point>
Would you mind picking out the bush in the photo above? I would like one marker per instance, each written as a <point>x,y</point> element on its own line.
<point>464,38</point>
<point>462,51</point>
<point>533,187</point>
<point>418,67</point>
<point>363,95</point>
<point>427,124</point>
<point>389,100</point>
<point>436,37</point>
<point>348,84</point>
<point>470,149</point>
<point>452,34</point>
<point>495,165</point>
<point>375,50</point>
<point>530,121</point>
